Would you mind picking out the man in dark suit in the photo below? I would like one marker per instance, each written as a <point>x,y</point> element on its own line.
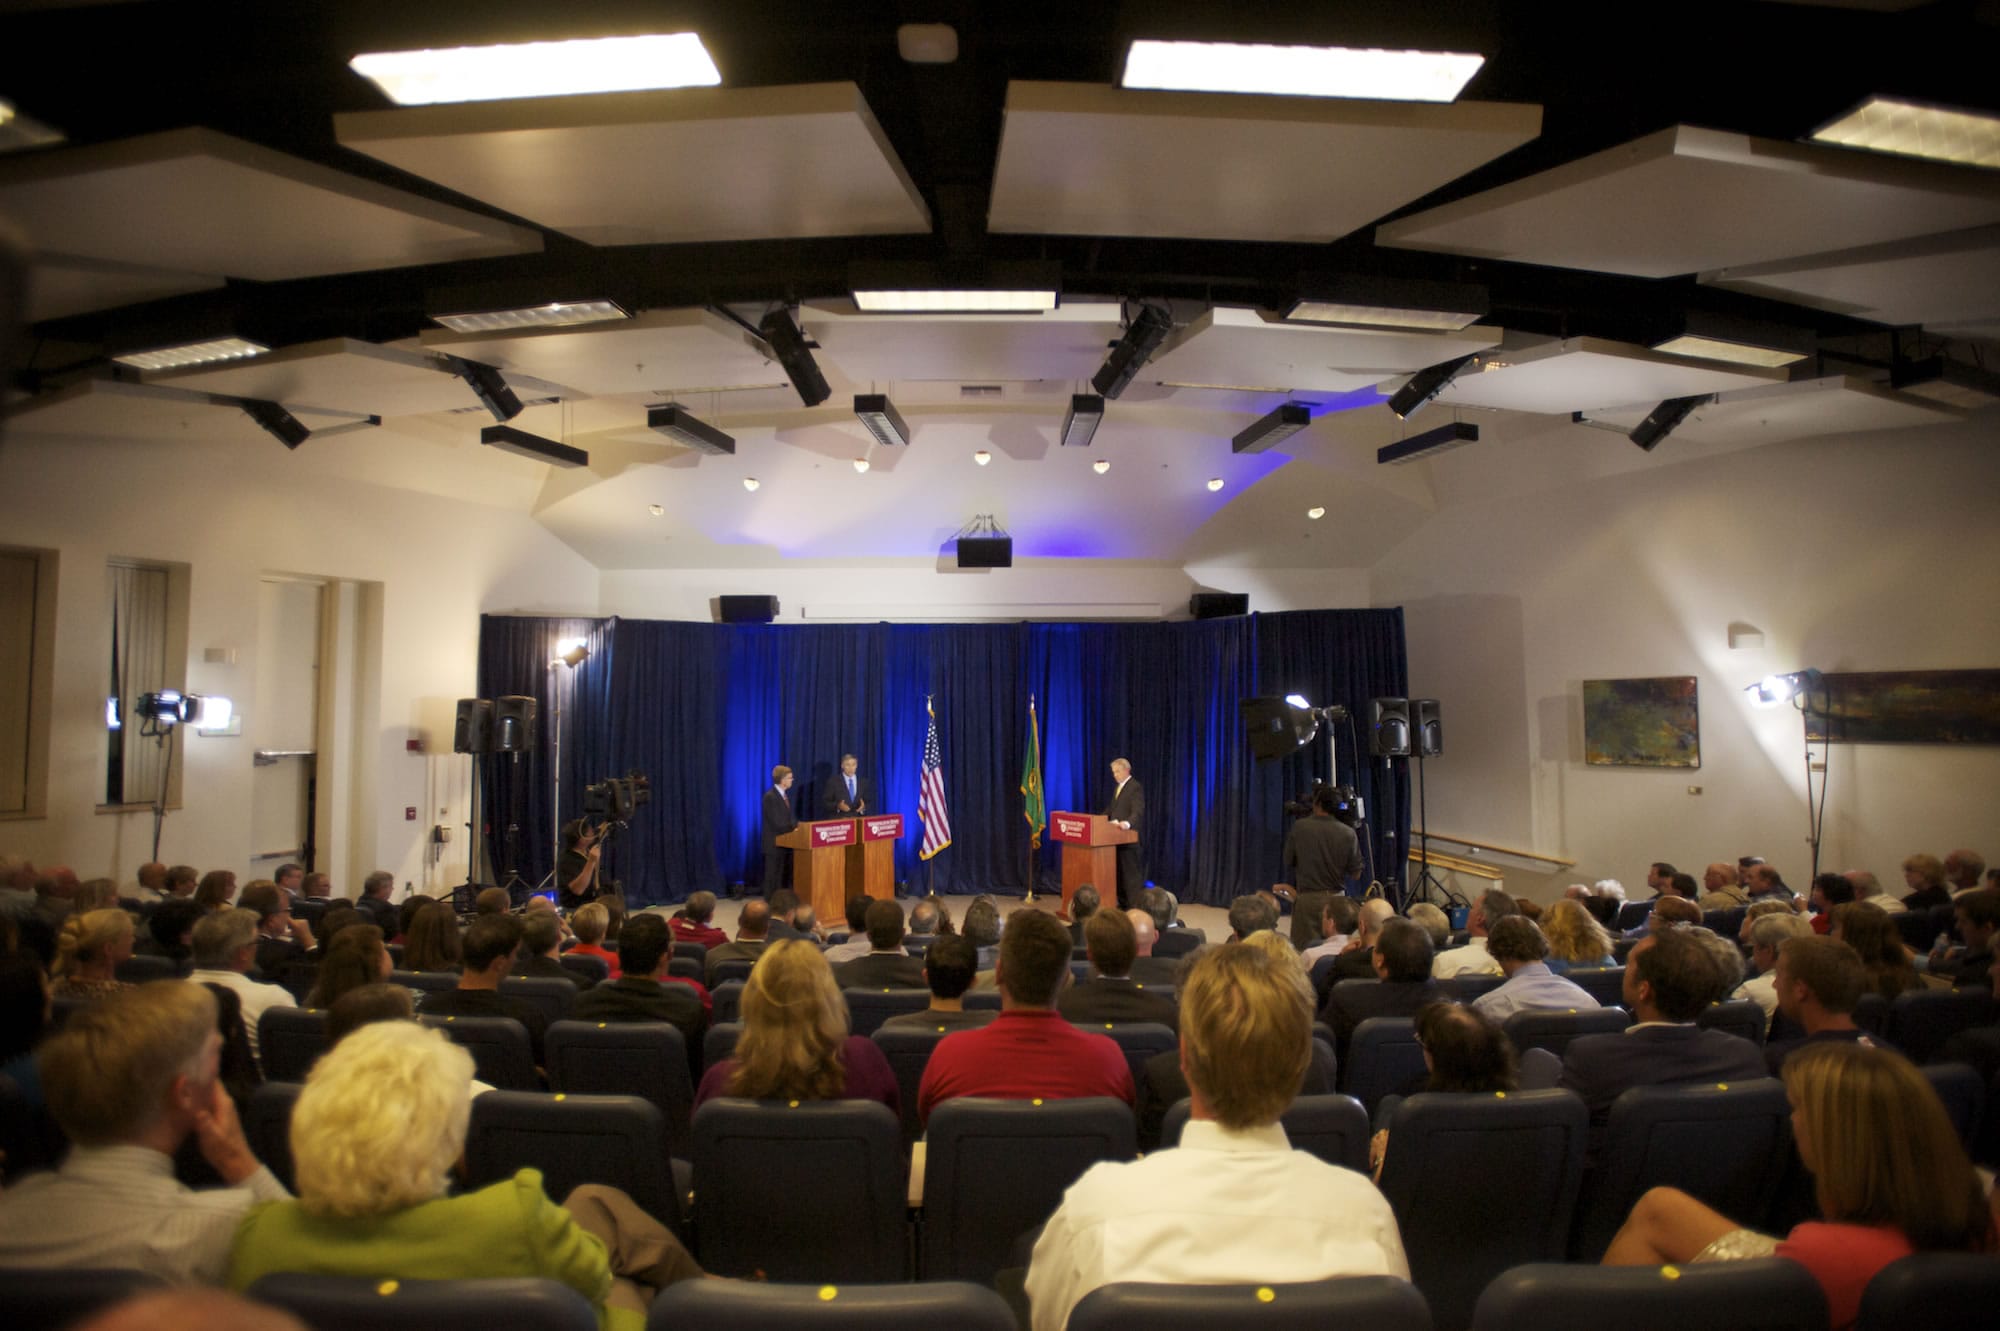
<point>1112,994</point>
<point>846,794</point>
<point>778,820</point>
<point>1127,809</point>
<point>1147,968</point>
<point>1669,978</point>
<point>1321,852</point>
<point>1402,985</point>
<point>886,966</point>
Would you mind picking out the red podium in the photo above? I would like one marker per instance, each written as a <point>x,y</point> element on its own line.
<point>1090,852</point>
<point>819,863</point>
<point>871,866</point>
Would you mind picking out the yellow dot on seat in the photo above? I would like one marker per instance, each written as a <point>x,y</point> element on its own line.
<point>1722,1086</point>
<point>561,1096</point>
<point>600,1025</point>
<point>388,1287</point>
<point>1038,1099</point>
<point>1107,1025</point>
<point>1265,1294</point>
<point>1499,1095</point>
<point>828,1293</point>
<point>792,1104</point>
<point>1670,1272</point>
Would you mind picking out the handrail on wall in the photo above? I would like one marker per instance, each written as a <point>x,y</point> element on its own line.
<point>1453,864</point>
<point>1477,846</point>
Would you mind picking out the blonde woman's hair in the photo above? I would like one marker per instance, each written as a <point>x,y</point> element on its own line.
<point>1277,947</point>
<point>1882,1149</point>
<point>85,938</point>
<point>1246,1032</point>
<point>590,922</point>
<point>381,1120</point>
<point>1574,934</point>
<point>106,1073</point>
<point>794,1028</point>
<point>1927,867</point>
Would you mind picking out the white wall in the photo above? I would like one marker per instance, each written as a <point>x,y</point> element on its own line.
<point>232,513</point>
<point>1873,552</point>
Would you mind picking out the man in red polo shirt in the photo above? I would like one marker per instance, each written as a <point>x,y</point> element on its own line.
<point>692,925</point>
<point>1030,1049</point>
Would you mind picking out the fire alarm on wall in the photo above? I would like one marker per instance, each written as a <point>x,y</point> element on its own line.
<point>409,813</point>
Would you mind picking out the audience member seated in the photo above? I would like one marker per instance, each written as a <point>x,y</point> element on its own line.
<point>1828,890</point>
<point>591,923</point>
<point>406,915</point>
<point>1029,1049</point>
<point>886,965</point>
<point>1464,1051</point>
<point>1765,883</point>
<point>129,1079</point>
<point>1340,915</point>
<point>375,903</point>
<point>795,1043</point>
<point>638,994</point>
<point>1147,968</point>
<point>1924,876</point>
<point>925,918</point>
<point>1978,917</point>
<point>225,948</point>
<point>1473,959</point>
<point>1667,910</point>
<point>1891,970</point>
<point>1719,890</point>
<point>169,929</point>
<point>280,938</point>
<point>1818,982</point>
<point>749,944</point>
<point>784,905</point>
<point>1251,914</point>
<point>492,901</point>
<point>1669,978</point>
<point>1233,1202</point>
<point>55,894</point>
<point>1575,938</point>
<point>368,1004</point>
<point>216,890</point>
<point>316,887</point>
<point>1890,1176</point>
<point>541,944</point>
<point>88,951</point>
<point>375,1133</point>
<point>182,879</point>
<point>1083,904</point>
<point>948,967</point>
<point>491,942</point>
<point>1112,994</point>
<point>1357,959</point>
<point>355,956</point>
<point>1962,869</point>
<point>24,1015</point>
<point>337,917</point>
<point>1764,933</point>
<point>152,881</point>
<point>1402,959</point>
<point>857,944</point>
<point>1868,890</point>
<point>1522,953</point>
<point>432,942</point>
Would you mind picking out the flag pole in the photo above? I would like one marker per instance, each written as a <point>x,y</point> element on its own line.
<point>1031,821</point>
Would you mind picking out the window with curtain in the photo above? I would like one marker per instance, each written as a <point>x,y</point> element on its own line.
<point>27,615</point>
<point>139,604</point>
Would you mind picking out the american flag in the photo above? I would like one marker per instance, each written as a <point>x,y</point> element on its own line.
<point>930,793</point>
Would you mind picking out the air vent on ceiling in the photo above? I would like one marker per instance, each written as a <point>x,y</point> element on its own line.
<point>980,390</point>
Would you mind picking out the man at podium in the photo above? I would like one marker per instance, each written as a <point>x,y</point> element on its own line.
<point>846,794</point>
<point>1127,807</point>
<point>778,820</point>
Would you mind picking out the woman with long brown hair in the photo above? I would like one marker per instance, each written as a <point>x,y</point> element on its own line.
<point>795,1043</point>
<point>1875,936</point>
<point>355,956</point>
<point>433,941</point>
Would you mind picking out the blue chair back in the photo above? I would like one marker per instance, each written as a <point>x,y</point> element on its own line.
<point>501,1054</point>
<point>1322,979</point>
<point>1606,984</point>
<point>51,1299</point>
<point>1740,1017</point>
<point>719,1042</point>
<point>908,1049</point>
<point>554,997</point>
<point>1771,1294</point>
<point>682,968</point>
<point>425,982</point>
<point>916,945</point>
<point>1378,1303</point>
<point>288,1040</point>
<point>366,1303</point>
<point>590,970</point>
<point>994,1169</point>
<point>29,1137</point>
<point>1553,1029</point>
<point>1921,1020</point>
<point>1963,1096</point>
<point>736,1305</point>
<point>726,1000</point>
<point>573,1139</point>
<point>982,1000</point>
<point>683,948</point>
<point>267,1126</point>
<point>1333,1127</point>
<point>1178,942</point>
<point>1465,988</point>
<point>752,1214</point>
<point>736,968</point>
<point>1383,1058</point>
<point>1139,1040</point>
<point>648,1059</point>
<point>1633,914</point>
<point>1482,1182</point>
<point>1916,929</point>
<point>139,968</point>
<point>1932,1290</point>
<point>867,1009</point>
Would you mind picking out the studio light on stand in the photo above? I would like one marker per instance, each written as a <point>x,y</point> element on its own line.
<point>1280,727</point>
<point>1806,690</point>
<point>571,652</point>
<point>165,711</point>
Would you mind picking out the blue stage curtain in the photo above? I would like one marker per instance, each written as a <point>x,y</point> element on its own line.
<point>706,710</point>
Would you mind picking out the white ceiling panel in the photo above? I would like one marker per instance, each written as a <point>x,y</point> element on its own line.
<point>683,166</point>
<point>339,374</point>
<point>202,202</point>
<point>1810,407</point>
<point>107,409</point>
<point>1069,343</point>
<point>660,351</point>
<point>1688,200</point>
<point>1082,159</point>
<point>1938,280</point>
<point>1250,349</point>
<point>1584,372</point>
<point>59,285</point>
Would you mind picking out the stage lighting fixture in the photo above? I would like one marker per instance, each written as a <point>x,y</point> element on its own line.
<point>878,415</point>
<point>277,422</point>
<point>1703,335</point>
<point>572,652</point>
<point>1080,422</point>
<point>1279,727</point>
<point>788,345</point>
<point>1776,690</point>
<point>1362,301</point>
<point>555,314</point>
<point>192,353</point>
<point>1274,428</point>
<point>215,713</point>
<point>1142,338</point>
<point>679,424</point>
<point>1031,287</point>
<point>1441,440</point>
<point>490,387</point>
<point>1424,385</point>
<point>1664,420</point>
<point>170,707</point>
<point>532,446</point>
<point>1952,382</point>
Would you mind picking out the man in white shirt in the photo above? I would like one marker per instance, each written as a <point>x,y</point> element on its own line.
<point>1233,1202</point>
<point>1531,986</point>
<point>1868,891</point>
<point>1764,934</point>
<point>128,1079</point>
<point>1336,929</point>
<point>225,948</point>
<point>1473,959</point>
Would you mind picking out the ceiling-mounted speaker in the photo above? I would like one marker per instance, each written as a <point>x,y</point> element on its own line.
<point>1389,727</point>
<point>746,609</point>
<point>1426,720</point>
<point>472,731</point>
<point>514,724</point>
<point>1218,605</point>
<point>986,552</point>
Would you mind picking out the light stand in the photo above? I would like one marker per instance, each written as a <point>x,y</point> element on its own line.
<point>571,652</point>
<point>163,735</point>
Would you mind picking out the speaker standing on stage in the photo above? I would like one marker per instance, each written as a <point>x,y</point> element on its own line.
<point>778,820</point>
<point>576,871</point>
<point>845,793</point>
<point>1127,807</point>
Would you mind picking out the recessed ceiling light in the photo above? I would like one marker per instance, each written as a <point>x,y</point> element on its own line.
<point>1315,512</point>
<point>1738,353</point>
<point>1215,482</point>
<point>1367,300</point>
<point>556,314</point>
<point>861,464</point>
<point>954,302</point>
<point>751,482</point>
<point>982,457</point>
<point>1001,287</point>
<point>1101,466</point>
<point>540,69</point>
<point>1300,71</point>
<point>192,353</point>
<point>655,509</point>
<point>1909,129</point>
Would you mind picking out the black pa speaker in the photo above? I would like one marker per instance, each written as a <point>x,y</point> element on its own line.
<point>1389,727</point>
<point>472,732</point>
<point>746,609</point>
<point>514,724</point>
<point>986,552</point>
<point>1218,605</point>
<point>1429,726</point>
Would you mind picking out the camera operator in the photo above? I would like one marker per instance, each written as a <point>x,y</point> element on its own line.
<point>576,871</point>
<point>1321,852</point>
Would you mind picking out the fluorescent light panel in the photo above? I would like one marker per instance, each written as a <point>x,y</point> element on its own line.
<point>192,353</point>
<point>1374,301</point>
<point>1080,422</point>
<point>1953,383</point>
<point>954,302</point>
<point>540,69</point>
<point>678,424</point>
<point>1737,353</point>
<point>1300,71</point>
<point>1909,129</point>
<point>1380,316</point>
<point>557,314</point>
<point>1277,426</point>
<point>878,415</point>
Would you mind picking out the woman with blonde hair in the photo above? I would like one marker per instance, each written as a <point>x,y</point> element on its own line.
<point>1575,937</point>
<point>1875,936</point>
<point>591,924</point>
<point>88,952</point>
<point>795,1043</point>
<point>1890,1175</point>
<point>433,942</point>
<point>355,956</point>
<point>374,1136</point>
<point>1924,876</point>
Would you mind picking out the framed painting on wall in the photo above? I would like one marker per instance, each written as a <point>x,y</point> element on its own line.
<point>1907,707</point>
<point>1641,722</point>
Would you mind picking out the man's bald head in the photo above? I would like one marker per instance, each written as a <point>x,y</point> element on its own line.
<point>1374,914</point>
<point>755,920</point>
<point>1144,932</point>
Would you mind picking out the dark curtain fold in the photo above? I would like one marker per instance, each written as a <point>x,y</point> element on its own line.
<point>706,711</point>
